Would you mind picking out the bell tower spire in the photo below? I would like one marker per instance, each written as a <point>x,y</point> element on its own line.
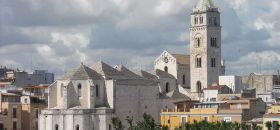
<point>205,46</point>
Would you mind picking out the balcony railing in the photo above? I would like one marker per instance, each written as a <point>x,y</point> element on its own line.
<point>175,110</point>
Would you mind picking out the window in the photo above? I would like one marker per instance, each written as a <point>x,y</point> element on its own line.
<point>201,20</point>
<point>167,87</point>
<point>5,112</point>
<point>213,42</point>
<point>36,113</point>
<point>14,112</point>
<point>36,126</point>
<point>215,21</point>
<point>197,42</point>
<point>198,62</point>
<point>14,125</point>
<point>166,69</point>
<point>210,21</point>
<point>1,126</point>
<point>77,127</point>
<point>183,121</point>
<point>196,20</point>
<point>227,119</point>
<point>213,62</point>
<point>97,91</point>
<point>205,118</point>
<point>56,127</point>
<point>79,90</point>
<point>198,87</point>
<point>184,79</point>
<point>61,90</point>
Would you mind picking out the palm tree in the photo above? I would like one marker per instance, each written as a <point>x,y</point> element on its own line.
<point>268,125</point>
<point>117,124</point>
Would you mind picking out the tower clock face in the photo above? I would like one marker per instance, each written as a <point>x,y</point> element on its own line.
<point>165,59</point>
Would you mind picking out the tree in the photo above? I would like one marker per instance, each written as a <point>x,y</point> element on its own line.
<point>130,123</point>
<point>164,128</point>
<point>268,125</point>
<point>275,125</point>
<point>148,123</point>
<point>236,126</point>
<point>117,124</point>
<point>244,126</point>
<point>254,126</point>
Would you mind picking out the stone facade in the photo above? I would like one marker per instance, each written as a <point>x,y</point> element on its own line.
<point>205,46</point>
<point>88,98</point>
<point>177,65</point>
<point>262,83</point>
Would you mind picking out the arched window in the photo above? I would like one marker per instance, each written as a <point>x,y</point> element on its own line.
<point>198,62</point>
<point>167,87</point>
<point>201,19</point>
<point>36,113</point>
<point>215,21</point>
<point>184,79</point>
<point>61,90</point>
<point>79,90</point>
<point>198,87</point>
<point>166,69</point>
<point>77,127</point>
<point>213,62</point>
<point>56,127</point>
<point>97,91</point>
<point>197,42</point>
<point>196,20</point>
<point>213,42</point>
<point>210,20</point>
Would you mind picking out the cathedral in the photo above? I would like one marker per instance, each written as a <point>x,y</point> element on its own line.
<point>86,98</point>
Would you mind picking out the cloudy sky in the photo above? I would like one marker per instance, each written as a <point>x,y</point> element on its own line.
<point>58,34</point>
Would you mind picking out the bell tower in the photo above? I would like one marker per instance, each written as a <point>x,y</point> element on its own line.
<point>205,46</point>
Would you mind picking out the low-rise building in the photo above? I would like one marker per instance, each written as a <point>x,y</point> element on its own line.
<point>40,91</point>
<point>234,110</point>
<point>233,82</point>
<point>272,116</point>
<point>31,108</point>
<point>211,93</point>
<point>11,113</point>
<point>24,79</point>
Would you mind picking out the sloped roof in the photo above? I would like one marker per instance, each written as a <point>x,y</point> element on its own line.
<point>204,5</point>
<point>163,74</point>
<point>182,59</point>
<point>215,87</point>
<point>147,75</point>
<point>177,95</point>
<point>106,70</point>
<point>127,72</point>
<point>82,72</point>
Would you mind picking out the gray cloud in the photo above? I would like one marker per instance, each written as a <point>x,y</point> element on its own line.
<point>57,35</point>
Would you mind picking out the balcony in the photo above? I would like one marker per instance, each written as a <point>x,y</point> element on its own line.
<point>175,110</point>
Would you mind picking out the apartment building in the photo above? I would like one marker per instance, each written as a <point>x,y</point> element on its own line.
<point>229,110</point>
<point>11,113</point>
